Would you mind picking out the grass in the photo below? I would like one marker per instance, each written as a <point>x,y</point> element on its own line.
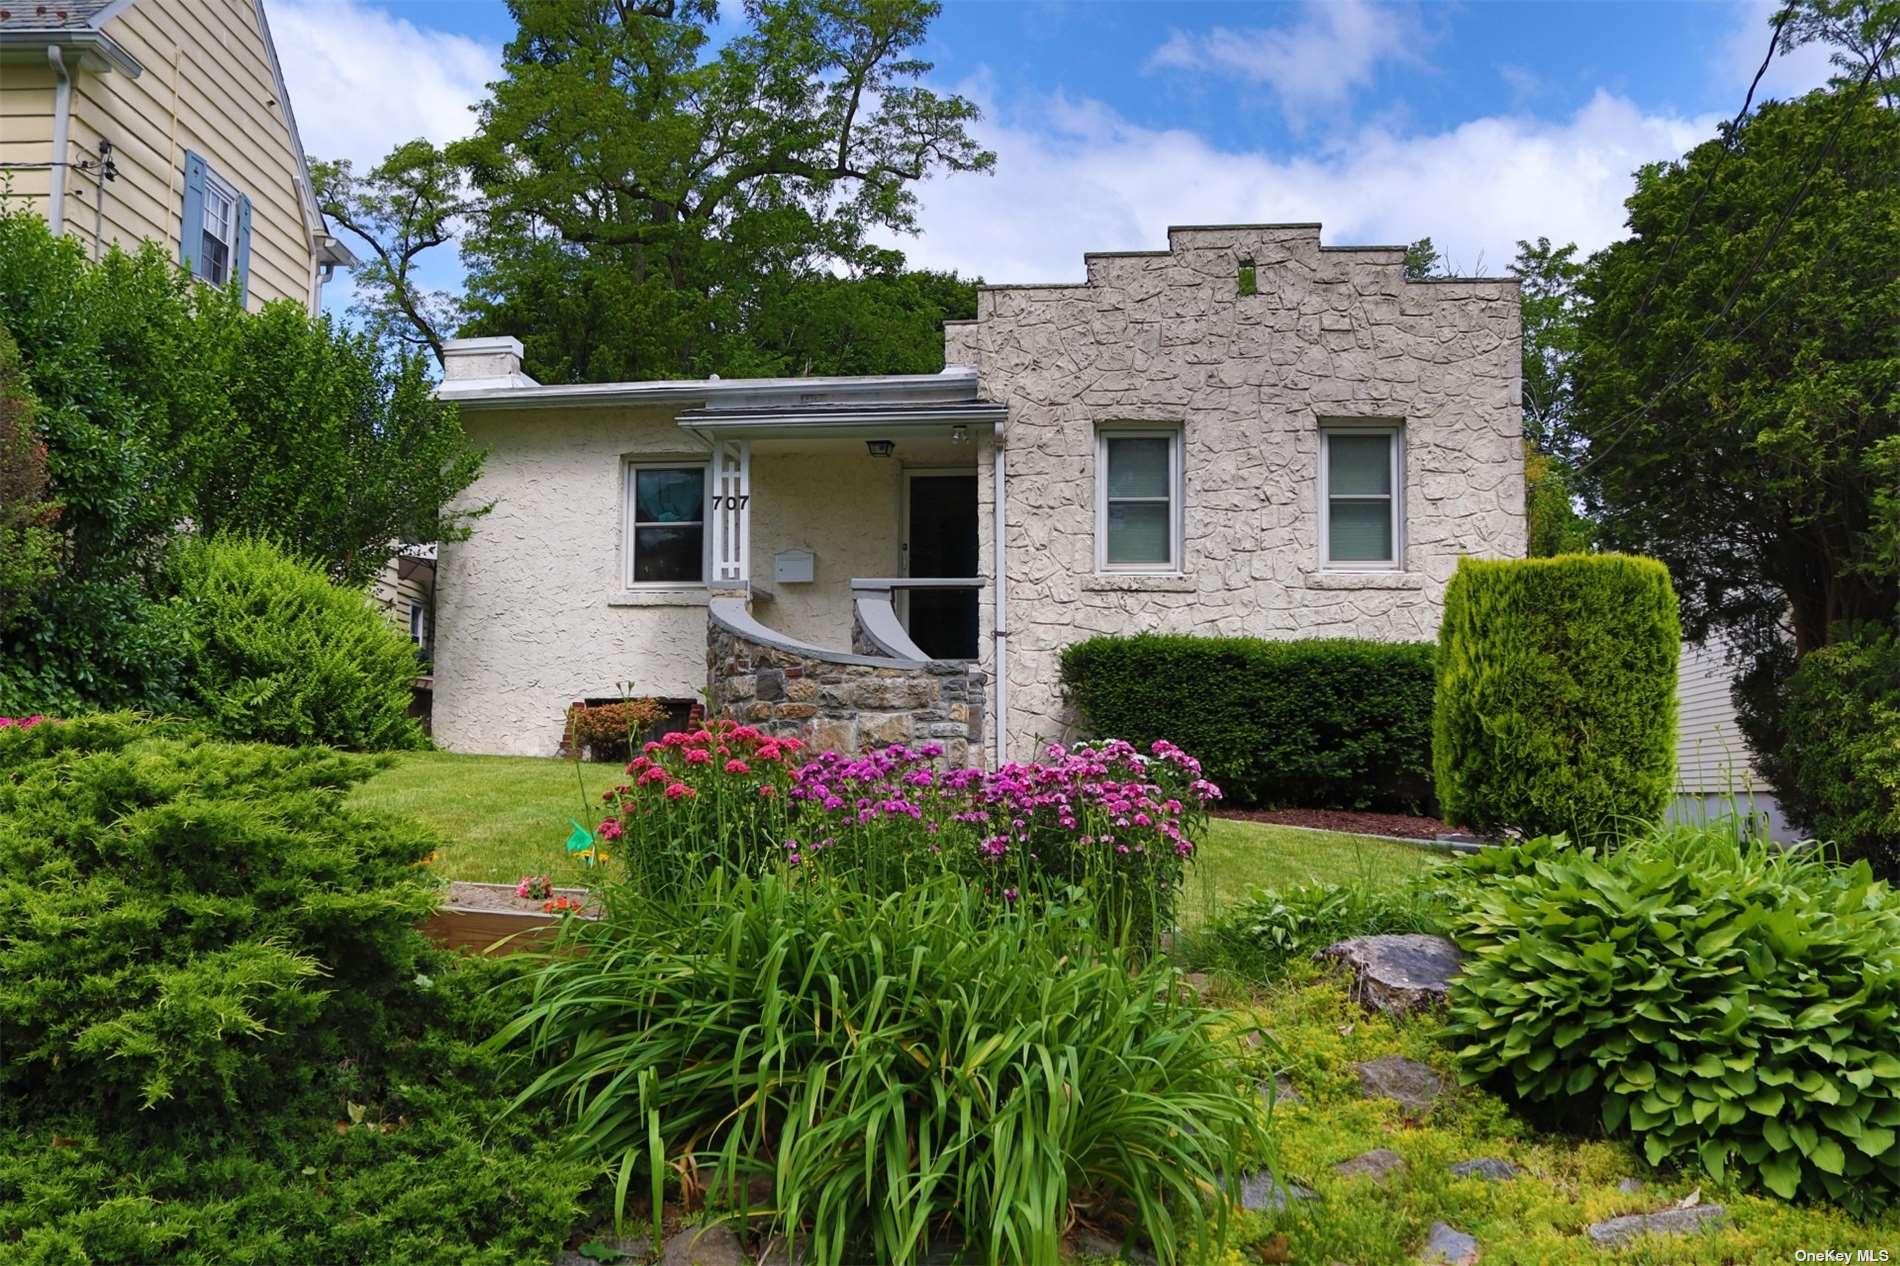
<point>501,817</point>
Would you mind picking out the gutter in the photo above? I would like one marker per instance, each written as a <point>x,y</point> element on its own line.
<point>1001,572</point>
<point>62,126</point>
<point>957,384</point>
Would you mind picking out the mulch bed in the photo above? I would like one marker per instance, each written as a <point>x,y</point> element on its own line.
<point>501,899</point>
<point>1409,826</point>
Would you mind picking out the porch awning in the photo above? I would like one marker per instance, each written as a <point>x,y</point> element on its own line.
<point>840,421</point>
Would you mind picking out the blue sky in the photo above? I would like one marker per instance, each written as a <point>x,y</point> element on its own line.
<point>1475,123</point>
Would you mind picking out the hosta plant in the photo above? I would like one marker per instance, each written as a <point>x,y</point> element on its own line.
<point>1730,1005</point>
<point>902,1066</point>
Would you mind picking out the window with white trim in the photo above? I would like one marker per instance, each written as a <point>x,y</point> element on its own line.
<point>1360,495</point>
<point>419,625</point>
<point>666,524</point>
<point>218,243</point>
<point>1138,500</point>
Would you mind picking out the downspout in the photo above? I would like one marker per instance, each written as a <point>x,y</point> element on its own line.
<point>1001,573</point>
<point>62,126</point>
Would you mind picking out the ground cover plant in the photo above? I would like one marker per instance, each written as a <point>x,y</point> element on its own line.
<point>908,1067</point>
<point>225,1038</point>
<point>1732,1006</point>
<point>1304,723</point>
<point>1556,700</point>
<point>1539,1217</point>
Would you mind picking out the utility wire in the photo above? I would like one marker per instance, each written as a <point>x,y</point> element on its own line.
<point>1692,362</point>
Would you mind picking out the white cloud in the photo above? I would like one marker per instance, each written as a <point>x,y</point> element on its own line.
<point>363,81</point>
<point>1740,55</point>
<point>1329,51</point>
<point>1074,176</point>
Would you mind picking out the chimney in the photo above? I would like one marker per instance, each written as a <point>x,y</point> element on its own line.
<point>493,361</point>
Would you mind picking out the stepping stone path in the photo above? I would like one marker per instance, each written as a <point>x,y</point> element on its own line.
<point>1415,1086</point>
<point>1260,1194</point>
<point>1668,1222</point>
<point>1446,1245</point>
<point>1486,1167</point>
<point>1397,974</point>
<point>1378,1164</point>
<point>704,1246</point>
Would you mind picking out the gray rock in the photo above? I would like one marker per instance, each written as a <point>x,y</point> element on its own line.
<point>1448,1246</point>
<point>1259,1193</point>
<point>1279,1092</point>
<point>1378,1164</point>
<point>1488,1168</point>
<point>704,1246</point>
<point>634,1248</point>
<point>1622,1230</point>
<point>1413,1085</point>
<point>781,1252</point>
<point>1397,974</point>
<point>1101,1244</point>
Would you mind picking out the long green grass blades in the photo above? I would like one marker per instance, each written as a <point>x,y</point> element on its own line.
<point>909,1068</point>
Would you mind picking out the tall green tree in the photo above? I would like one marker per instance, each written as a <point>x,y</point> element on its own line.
<point>402,208</point>
<point>1738,386</point>
<point>1860,32</point>
<point>163,406</point>
<point>1547,279</point>
<point>648,201</point>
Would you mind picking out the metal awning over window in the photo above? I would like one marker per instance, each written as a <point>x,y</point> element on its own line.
<point>836,421</point>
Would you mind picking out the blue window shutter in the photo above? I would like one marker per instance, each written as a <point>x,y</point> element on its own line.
<point>191,227</point>
<point>241,255</point>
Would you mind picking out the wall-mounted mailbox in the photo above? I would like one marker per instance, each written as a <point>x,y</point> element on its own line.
<point>792,567</point>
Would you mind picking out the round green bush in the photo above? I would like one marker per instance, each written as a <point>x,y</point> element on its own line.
<point>1840,762</point>
<point>1556,703</point>
<point>1732,1006</point>
<point>279,654</point>
<point>1311,723</point>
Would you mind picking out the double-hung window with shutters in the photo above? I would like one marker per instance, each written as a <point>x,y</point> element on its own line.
<point>214,235</point>
<point>666,524</point>
<point>1360,495</point>
<point>1138,500</point>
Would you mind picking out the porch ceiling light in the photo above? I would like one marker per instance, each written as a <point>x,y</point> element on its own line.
<point>879,448</point>
<point>958,434</point>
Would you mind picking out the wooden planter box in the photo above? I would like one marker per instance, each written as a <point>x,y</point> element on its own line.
<point>475,917</point>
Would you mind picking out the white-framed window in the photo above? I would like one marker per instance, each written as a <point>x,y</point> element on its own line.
<point>218,242</point>
<point>1138,496</point>
<point>1361,496</point>
<point>666,523</point>
<point>419,624</point>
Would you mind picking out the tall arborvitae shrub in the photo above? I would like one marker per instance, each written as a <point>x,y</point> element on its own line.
<point>1556,703</point>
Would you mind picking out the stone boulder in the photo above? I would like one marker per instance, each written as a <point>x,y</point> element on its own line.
<point>1415,1086</point>
<point>1378,1164</point>
<point>1398,975</point>
<point>1696,1217</point>
<point>1488,1168</point>
<point>704,1246</point>
<point>1446,1245</point>
<point>1259,1193</point>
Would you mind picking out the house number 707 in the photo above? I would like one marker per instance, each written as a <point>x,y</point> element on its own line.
<point>736,502</point>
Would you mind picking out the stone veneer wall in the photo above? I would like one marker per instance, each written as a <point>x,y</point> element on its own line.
<point>846,702</point>
<point>1332,334</point>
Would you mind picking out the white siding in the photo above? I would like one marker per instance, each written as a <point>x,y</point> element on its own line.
<point>1712,757</point>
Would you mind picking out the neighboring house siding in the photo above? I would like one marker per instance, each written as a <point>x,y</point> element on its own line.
<point>1165,339</point>
<point>26,130</point>
<point>206,87</point>
<point>1711,755</point>
<point>207,57</point>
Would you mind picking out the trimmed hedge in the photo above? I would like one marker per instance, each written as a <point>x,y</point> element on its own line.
<point>1841,758</point>
<point>1330,723</point>
<point>1557,695</point>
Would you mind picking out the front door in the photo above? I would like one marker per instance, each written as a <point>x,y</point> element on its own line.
<point>940,541</point>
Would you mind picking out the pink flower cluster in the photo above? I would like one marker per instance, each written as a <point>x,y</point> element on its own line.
<point>22,723</point>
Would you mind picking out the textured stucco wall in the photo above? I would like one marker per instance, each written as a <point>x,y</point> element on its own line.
<point>1165,337</point>
<point>531,612</point>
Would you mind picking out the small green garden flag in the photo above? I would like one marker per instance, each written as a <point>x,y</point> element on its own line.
<point>581,839</point>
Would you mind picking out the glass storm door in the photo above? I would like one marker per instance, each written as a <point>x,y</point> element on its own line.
<point>940,541</point>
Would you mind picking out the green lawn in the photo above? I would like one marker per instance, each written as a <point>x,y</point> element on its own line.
<point>501,817</point>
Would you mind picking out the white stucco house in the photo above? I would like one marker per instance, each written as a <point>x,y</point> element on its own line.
<point>1245,433</point>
